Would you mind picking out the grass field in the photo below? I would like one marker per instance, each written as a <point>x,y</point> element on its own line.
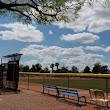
<point>80,83</point>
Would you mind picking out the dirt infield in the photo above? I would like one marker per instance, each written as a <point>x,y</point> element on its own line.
<point>31,98</point>
<point>48,102</point>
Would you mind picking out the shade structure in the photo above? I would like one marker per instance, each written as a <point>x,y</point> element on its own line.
<point>13,57</point>
<point>10,72</point>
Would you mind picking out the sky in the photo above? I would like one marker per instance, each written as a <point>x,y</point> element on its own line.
<point>80,43</point>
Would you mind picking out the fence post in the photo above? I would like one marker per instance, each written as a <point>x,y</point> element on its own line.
<point>43,79</point>
<point>68,81</point>
<point>28,82</point>
<point>107,89</point>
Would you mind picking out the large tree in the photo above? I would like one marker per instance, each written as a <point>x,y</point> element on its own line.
<point>104,69</point>
<point>87,69</point>
<point>24,68</point>
<point>36,68</point>
<point>45,70</point>
<point>97,68</point>
<point>74,69</point>
<point>57,65</point>
<point>43,11</point>
<point>52,66</point>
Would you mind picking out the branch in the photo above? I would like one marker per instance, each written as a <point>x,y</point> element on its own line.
<point>9,7</point>
<point>34,3</point>
<point>14,10</point>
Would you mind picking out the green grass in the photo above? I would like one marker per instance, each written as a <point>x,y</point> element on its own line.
<point>79,84</point>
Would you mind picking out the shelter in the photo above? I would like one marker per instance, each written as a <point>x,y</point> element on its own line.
<point>9,72</point>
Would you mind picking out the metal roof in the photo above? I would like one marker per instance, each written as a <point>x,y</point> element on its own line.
<point>13,55</point>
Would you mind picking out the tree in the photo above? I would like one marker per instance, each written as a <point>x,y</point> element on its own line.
<point>87,69</point>
<point>45,70</point>
<point>104,70</point>
<point>33,68</point>
<point>57,65</point>
<point>64,70</point>
<point>20,67</point>
<point>74,69</point>
<point>24,68</point>
<point>97,68</point>
<point>36,68</point>
<point>43,11</point>
<point>52,66</point>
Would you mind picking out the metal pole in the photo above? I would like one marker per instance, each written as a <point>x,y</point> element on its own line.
<point>1,60</point>
<point>106,89</point>
<point>43,79</point>
<point>68,81</point>
<point>68,84</point>
<point>1,77</point>
<point>28,82</point>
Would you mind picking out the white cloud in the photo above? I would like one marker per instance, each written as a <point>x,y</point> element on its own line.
<point>94,56</point>
<point>80,37</point>
<point>94,19</point>
<point>29,63</point>
<point>64,56</point>
<point>97,48</point>
<point>107,49</point>
<point>50,32</point>
<point>21,32</point>
<point>99,26</point>
<point>94,48</point>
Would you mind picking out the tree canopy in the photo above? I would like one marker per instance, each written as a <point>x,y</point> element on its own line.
<point>87,69</point>
<point>57,65</point>
<point>36,68</point>
<point>42,11</point>
<point>74,69</point>
<point>52,66</point>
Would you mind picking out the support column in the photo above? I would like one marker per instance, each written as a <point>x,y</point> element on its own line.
<point>106,89</point>
<point>28,82</point>
<point>68,81</point>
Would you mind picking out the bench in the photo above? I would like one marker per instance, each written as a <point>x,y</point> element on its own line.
<point>70,92</point>
<point>63,91</point>
<point>49,87</point>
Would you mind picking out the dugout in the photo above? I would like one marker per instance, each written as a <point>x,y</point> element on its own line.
<point>9,72</point>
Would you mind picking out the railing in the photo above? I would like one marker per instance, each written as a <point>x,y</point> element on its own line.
<point>70,80</point>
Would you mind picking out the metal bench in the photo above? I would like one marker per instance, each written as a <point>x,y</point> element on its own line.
<point>70,92</point>
<point>62,92</point>
<point>49,87</point>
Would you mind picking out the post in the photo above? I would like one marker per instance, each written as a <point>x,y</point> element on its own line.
<point>107,89</point>
<point>43,79</point>
<point>1,60</point>
<point>1,77</point>
<point>68,81</point>
<point>28,82</point>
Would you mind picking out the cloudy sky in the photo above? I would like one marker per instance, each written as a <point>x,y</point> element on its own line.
<point>82,42</point>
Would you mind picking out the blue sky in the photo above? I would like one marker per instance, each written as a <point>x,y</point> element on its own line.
<point>82,42</point>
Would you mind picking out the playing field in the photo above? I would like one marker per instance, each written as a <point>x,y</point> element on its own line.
<point>79,83</point>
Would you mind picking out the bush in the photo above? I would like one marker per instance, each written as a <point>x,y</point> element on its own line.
<point>43,71</point>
